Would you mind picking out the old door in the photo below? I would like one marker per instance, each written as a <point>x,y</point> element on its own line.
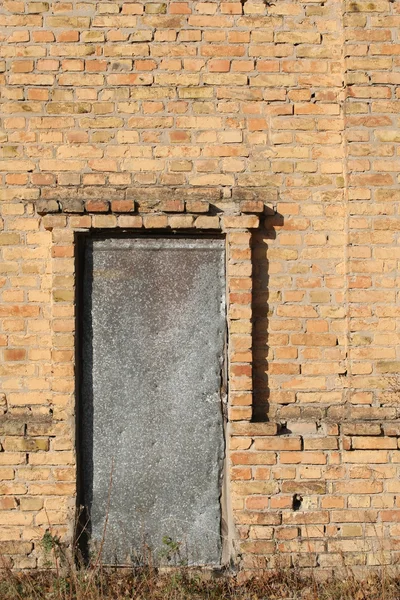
<point>151,444</point>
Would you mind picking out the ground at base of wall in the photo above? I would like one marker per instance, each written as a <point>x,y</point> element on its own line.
<point>184,584</point>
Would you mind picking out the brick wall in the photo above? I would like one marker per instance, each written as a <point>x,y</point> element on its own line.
<point>114,114</point>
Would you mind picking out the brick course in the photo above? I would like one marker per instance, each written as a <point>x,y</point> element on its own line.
<point>214,116</point>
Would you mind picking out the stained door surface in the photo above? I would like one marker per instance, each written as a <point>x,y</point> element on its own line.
<point>151,426</point>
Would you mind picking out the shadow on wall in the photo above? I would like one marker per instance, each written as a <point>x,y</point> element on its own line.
<point>260,302</point>
<point>84,413</point>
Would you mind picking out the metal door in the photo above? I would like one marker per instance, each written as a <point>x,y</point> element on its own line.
<point>151,427</point>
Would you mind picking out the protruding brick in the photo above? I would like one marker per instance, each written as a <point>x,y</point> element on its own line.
<point>104,221</point>
<point>242,222</point>
<point>97,206</point>
<point>155,221</point>
<point>197,206</point>
<point>72,205</point>
<point>172,206</point>
<point>207,222</point>
<point>181,221</point>
<point>44,207</point>
<point>252,206</point>
<point>54,221</point>
<point>122,206</point>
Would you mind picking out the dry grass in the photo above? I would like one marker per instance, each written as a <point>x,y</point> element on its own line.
<point>184,584</point>
<point>63,579</point>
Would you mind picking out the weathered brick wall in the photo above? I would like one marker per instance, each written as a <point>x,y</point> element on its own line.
<point>117,107</point>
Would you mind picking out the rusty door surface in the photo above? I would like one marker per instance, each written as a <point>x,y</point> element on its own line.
<point>151,427</point>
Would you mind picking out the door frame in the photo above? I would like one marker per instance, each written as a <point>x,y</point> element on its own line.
<point>237,230</point>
